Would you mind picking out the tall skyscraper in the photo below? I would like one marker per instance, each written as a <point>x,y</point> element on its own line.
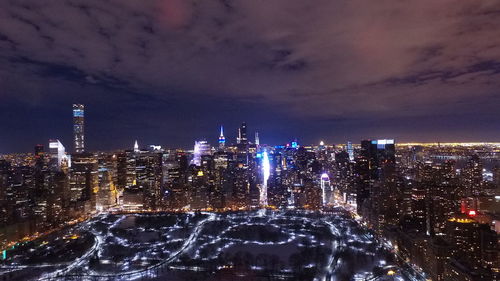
<point>242,134</point>
<point>136,146</point>
<point>78,127</point>
<point>257,140</point>
<point>222,139</point>
<point>266,173</point>
<point>84,181</point>
<point>58,157</point>
<point>200,148</point>
<point>326,189</point>
<point>350,151</point>
<point>375,162</point>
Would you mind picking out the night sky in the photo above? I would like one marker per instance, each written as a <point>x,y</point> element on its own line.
<point>170,72</point>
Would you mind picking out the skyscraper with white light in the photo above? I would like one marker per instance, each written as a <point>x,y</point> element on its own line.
<point>58,157</point>
<point>266,173</point>
<point>200,148</point>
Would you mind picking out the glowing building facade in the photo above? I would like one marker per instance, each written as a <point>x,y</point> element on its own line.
<point>350,151</point>
<point>326,189</point>
<point>200,148</point>
<point>136,146</point>
<point>222,139</point>
<point>266,173</point>
<point>58,157</point>
<point>78,127</point>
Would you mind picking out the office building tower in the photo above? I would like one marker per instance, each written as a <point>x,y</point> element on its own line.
<point>149,178</point>
<point>125,166</point>
<point>350,151</point>
<point>78,127</point>
<point>381,155</point>
<point>240,196</point>
<point>222,139</point>
<point>242,134</point>
<point>376,162</point>
<point>257,140</point>
<point>266,173</point>
<point>496,176</point>
<point>200,148</point>
<point>326,189</point>
<point>58,157</point>
<point>39,150</point>
<point>473,176</point>
<point>6,209</point>
<point>136,146</point>
<point>84,181</point>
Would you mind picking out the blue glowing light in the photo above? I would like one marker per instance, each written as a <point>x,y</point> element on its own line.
<point>78,113</point>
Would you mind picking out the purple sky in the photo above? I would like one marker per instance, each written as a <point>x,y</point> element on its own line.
<point>169,72</point>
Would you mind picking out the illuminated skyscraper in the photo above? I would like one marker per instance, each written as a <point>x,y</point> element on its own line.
<point>376,161</point>
<point>200,148</point>
<point>58,157</point>
<point>350,151</point>
<point>266,172</point>
<point>78,127</point>
<point>257,140</point>
<point>222,139</point>
<point>326,189</point>
<point>136,146</point>
<point>242,134</point>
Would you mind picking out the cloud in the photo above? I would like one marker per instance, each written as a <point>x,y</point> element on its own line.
<point>316,59</point>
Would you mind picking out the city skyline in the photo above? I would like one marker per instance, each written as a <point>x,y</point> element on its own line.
<point>372,210</point>
<point>170,71</point>
<point>234,141</point>
<point>79,134</point>
<point>250,140</point>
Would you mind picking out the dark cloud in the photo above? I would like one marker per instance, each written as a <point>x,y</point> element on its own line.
<point>291,68</point>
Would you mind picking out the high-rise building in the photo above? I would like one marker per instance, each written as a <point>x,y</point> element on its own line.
<point>5,185</point>
<point>200,148</point>
<point>39,150</point>
<point>496,176</point>
<point>58,157</point>
<point>257,140</point>
<point>222,139</point>
<point>78,127</point>
<point>350,151</point>
<point>84,181</point>
<point>136,147</point>
<point>472,176</point>
<point>266,173</point>
<point>326,189</point>
<point>149,178</point>
<point>242,134</point>
<point>375,162</point>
